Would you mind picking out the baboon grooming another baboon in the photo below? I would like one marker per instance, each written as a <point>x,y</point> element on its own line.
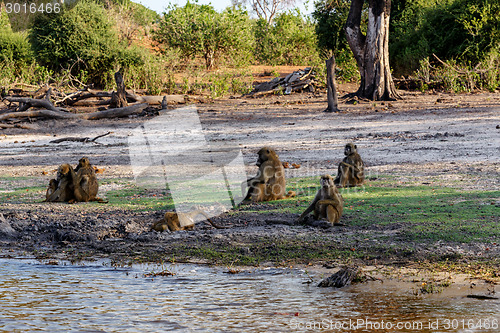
<point>351,170</point>
<point>85,181</point>
<point>173,221</point>
<point>79,184</point>
<point>61,189</point>
<point>327,203</point>
<point>269,183</point>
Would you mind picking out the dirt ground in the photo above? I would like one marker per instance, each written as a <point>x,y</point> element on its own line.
<point>422,137</point>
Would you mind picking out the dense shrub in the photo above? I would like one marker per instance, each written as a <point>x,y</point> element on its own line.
<point>83,33</point>
<point>288,40</point>
<point>199,30</point>
<point>463,30</point>
<point>14,47</point>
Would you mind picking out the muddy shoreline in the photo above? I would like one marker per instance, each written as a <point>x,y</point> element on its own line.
<point>448,140</point>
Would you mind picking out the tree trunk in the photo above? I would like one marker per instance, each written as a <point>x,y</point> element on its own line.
<point>331,87</point>
<point>372,51</point>
<point>209,59</point>
<point>119,99</point>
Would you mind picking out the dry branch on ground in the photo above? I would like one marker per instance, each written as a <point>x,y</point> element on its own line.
<point>293,82</point>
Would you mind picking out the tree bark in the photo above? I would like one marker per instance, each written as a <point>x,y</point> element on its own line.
<point>331,86</point>
<point>372,51</point>
<point>119,99</point>
<point>39,113</point>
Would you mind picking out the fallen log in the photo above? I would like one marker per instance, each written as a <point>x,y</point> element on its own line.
<point>23,126</point>
<point>156,100</point>
<point>112,113</point>
<point>74,139</point>
<point>342,278</point>
<point>99,102</point>
<point>25,103</point>
<point>115,113</point>
<point>296,81</point>
<point>39,113</point>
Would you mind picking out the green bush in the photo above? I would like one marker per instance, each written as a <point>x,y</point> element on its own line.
<point>15,47</point>
<point>464,30</point>
<point>199,30</point>
<point>83,37</point>
<point>289,40</point>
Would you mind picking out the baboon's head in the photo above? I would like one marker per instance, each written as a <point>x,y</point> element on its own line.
<point>326,181</point>
<point>63,170</point>
<point>350,148</point>
<point>266,154</point>
<point>83,162</point>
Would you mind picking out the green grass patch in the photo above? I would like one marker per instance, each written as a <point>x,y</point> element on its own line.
<point>139,199</point>
<point>419,212</point>
<point>23,194</point>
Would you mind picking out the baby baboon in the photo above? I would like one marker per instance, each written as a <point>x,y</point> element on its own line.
<point>269,183</point>
<point>85,181</point>
<point>51,189</point>
<point>351,170</point>
<point>173,221</point>
<point>61,189</point>
<point>327,203</point>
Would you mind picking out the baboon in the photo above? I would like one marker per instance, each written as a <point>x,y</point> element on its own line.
<point>351,170</point>
<point>269,183</point>
<point>61,189</point>
<point>51,189</point>
<point>327,203</point>
<point>173,221</point>
<point>85,182</point>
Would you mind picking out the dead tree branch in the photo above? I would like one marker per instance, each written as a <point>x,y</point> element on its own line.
<point>115,113</point>
<point>39,113</point>
<point>74,139</point>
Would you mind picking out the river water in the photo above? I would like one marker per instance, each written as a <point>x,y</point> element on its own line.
<point>96,297</point>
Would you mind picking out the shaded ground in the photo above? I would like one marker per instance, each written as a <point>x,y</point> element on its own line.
<point>440,139</point>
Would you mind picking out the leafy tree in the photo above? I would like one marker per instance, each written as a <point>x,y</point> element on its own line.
<point>266,9</point>
<point>330,17</point>
<point>289,40</point>
<point>199,30</point>
<point>83,36</point>
<point>15,47</point>
<point>465,30</point>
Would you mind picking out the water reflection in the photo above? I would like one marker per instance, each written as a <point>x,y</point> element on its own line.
<point>97,298</point>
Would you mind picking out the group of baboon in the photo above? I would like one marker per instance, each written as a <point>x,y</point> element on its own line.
<point>72,185</point>
<point>80,184</point>
<point>269,184</point>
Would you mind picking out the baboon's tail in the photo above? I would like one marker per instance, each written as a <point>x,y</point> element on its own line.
<point>99,200</point>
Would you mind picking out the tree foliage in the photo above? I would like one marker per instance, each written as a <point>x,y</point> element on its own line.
<point>465,30</point>
<point>199,30</point>
<point>289,40</point>
<point>83,36</point>
<point>266,9</point>
<point>330,17</point>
